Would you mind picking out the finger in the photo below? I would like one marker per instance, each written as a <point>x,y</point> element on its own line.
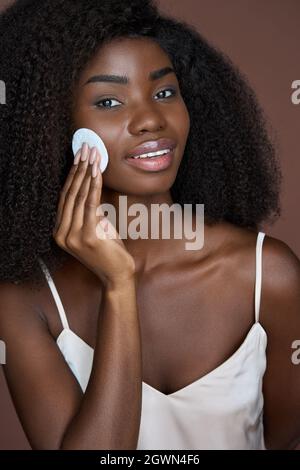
<point>93,200</point>
<point>68,183</point>
<point>65,189</point>
<point>71,194</point>
<point>80,202</point>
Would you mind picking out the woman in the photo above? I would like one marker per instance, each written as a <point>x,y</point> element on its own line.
<point>140,343</point>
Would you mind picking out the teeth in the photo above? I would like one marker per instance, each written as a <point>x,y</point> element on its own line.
<point>153,154</point>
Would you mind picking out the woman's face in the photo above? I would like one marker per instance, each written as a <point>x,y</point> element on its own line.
<point>126,115</point>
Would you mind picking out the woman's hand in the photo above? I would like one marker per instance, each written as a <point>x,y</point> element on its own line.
<point>90,238</point>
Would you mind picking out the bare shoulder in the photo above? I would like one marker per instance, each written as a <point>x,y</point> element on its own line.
<point>280,268</point>
<point>280,284</point>
<point>280,276</point>
<point>280,264</point>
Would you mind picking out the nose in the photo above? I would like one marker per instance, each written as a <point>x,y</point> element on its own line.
<point>146,118</point>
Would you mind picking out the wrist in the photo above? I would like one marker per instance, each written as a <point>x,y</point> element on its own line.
<point>123,281</point>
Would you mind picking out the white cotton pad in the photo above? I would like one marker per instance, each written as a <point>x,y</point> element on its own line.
<point>93,140</point>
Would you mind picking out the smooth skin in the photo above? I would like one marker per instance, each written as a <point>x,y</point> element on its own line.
<point>181,314</point>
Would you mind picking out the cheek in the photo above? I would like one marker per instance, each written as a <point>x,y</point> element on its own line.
<point>112,136</point>
<point>183,121</point>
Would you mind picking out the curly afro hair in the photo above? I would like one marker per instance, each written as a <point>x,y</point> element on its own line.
<point>229,163</point>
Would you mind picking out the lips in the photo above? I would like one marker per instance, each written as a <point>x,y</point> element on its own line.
<point>152,146</point>
<point>155,164</point>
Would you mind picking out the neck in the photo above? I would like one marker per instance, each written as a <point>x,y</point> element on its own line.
<point>157,243</point>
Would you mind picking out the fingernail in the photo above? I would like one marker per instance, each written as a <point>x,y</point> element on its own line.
<point>93,155</point>
<point>77,157</point>
<point>95,168</point>
<point>84,152</point>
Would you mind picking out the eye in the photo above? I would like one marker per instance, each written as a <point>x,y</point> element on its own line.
<point>105,101</point>
<point>172,90</point>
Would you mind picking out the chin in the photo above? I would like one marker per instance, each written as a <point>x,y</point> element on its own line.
<point>156,183</point>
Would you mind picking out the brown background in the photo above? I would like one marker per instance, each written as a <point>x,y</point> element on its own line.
<point>262,37</point>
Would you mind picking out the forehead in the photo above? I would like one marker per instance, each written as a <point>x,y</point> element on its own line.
<point>129,56</point>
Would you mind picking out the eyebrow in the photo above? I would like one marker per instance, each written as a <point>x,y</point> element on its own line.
<point>124,80</point>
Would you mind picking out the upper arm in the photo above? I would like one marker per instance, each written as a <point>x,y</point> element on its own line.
<point>44,391</point>
<point>280,317</point>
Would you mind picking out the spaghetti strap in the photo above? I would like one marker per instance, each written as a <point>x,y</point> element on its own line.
<point>56,296</point>
<point>258,275</point>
